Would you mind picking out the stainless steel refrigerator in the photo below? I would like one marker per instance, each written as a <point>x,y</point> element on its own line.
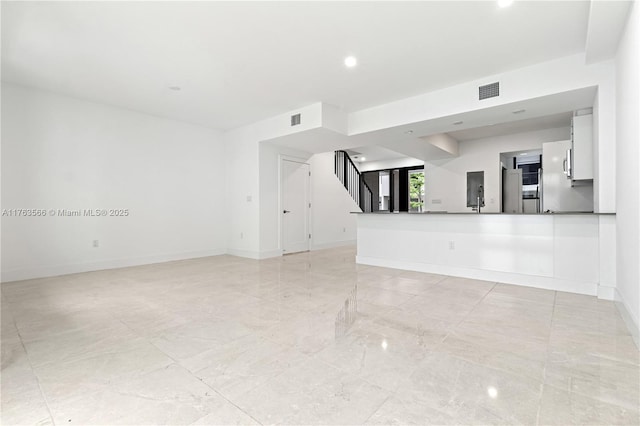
<point>559,194</point>
<point>512,191</point>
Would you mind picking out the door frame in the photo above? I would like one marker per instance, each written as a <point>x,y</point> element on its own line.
<point>503,170</point>
<point>281,158</point>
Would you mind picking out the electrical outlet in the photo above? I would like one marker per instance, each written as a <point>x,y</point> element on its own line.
<point>344,229</point>
<point>436,201</point>
<point>452,245</point>
<point>241,235</point>
<point>96,243</point>
<point>249,198</point>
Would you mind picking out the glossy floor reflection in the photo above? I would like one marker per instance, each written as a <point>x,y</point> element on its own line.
<point>225,340</point>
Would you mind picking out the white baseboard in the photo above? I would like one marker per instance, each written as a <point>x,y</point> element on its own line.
<point>269,254</point>
<point>333,244</point>
<point>250,254</point>
<point>74,268</point>
<point>57,270</point>
<point>606,293</point>
<point>257,255</point>
<point>547,283</point>
<point>632,323</point>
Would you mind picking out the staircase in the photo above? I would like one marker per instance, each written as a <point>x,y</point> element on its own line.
<point>353,181</point>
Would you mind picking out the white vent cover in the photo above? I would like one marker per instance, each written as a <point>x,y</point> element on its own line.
<point>295,119</point>
<point>489,91</point>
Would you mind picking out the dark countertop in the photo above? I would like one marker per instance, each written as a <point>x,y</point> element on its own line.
<point>491,213</point>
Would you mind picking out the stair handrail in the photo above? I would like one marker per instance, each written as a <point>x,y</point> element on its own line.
<point>361,180</point>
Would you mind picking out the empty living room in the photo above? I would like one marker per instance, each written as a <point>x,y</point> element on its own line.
<point>320,212</point>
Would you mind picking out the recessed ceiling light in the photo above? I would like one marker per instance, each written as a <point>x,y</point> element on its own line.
<point>175,88</point>
<point>408,132</point>
<point>505,3</point>
<point>519,111</point>
<point>457,123</point>
<point>350,61</point>
<point>523,153</point>
<point>362,159</point>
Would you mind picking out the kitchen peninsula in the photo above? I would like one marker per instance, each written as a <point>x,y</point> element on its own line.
<point>573,252</point>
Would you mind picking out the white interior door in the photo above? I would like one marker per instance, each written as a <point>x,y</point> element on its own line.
<point>295,206</point>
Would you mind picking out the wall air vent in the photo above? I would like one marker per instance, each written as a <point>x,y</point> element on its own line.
<point>489,91</point>
<point>295,120</point>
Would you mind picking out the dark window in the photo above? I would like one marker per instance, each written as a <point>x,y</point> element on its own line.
<point>529,173</point>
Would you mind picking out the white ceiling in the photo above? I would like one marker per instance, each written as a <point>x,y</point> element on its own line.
<point>508,128</point>
<point>239,62</point>
<point>553,121</point>
<point>374,153</point>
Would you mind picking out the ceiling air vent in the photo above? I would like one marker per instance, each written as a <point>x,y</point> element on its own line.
<point>489,91</point>
<point>295,120</point>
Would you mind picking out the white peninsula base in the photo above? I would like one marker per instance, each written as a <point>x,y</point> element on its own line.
<point>564,252</point>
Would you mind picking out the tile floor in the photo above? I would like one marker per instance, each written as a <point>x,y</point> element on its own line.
<point>225,340</point>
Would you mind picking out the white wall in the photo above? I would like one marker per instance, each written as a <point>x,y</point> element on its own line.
<point>64,153</point>
<point>446,180</point>
<point>331,206</point>
<point>627,175</point>
<point>253,184</point>
<point>241,194</point>
<point>332,223</point>
<point>243,172</point>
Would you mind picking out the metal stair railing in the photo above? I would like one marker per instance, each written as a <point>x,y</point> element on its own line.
<point>353,181</point>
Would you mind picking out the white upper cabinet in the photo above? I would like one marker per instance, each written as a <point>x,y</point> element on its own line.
<point>582,155</point>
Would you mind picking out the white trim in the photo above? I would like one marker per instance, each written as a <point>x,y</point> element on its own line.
<point>606,293</point>
<point>249,254</point>
<point>74,268</point>
<point>632,323</point>
<point>281,158</point>
<point>333,244</point>
<point>269,254</point>
<point>257,255</point>
<point>547,283</point>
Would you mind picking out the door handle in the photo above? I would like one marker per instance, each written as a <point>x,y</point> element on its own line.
<point>286,211</point>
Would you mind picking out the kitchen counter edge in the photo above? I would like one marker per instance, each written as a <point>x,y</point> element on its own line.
<point>485,214</point>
